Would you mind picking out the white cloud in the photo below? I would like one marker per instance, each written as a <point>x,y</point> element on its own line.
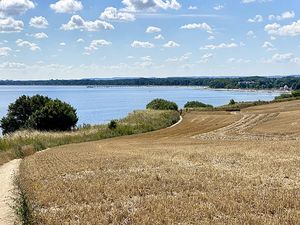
<point>141,44</point>
<point>192,7</point>
<point>96,44</point>
<point>200,26</point>
<point>251,33</point>
<point>256,19</point>
<point>76,22</point>
<point>111,13</point>
<point>41,35</point>
<point>15,7</point>
<point>171,44</point>
<point>283,16</point>
<point>38,22</point>
<point>282,57</point>
<point>220,46</point>
<point>80,40</point>
<point>4,51</point>
<point>12,65</point>
<point>152,29</point>
<point>67,6</point>
<point>211,38</point>
<point>138,5</point>
<point>218,7</point>
<point>267,45</point>
<point>27,44</point>
<point>10,25</point>
<point>205,58</point>
<point>235,60</point>
<point>182,58</point>
<point>296,60</point>
<point>253,1</point>
<point>287,30</point>
<point>159,37</point>
<point>62,44</point>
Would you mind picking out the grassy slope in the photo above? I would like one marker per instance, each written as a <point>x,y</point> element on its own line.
<point>247,174</point>
<point>24,143</point>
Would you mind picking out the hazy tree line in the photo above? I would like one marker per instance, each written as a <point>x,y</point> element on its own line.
<point>228,82</point>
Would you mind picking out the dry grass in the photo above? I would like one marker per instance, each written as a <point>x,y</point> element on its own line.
<point>175,176</point>
<point>23,143</point>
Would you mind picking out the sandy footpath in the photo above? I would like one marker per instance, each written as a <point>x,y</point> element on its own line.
<point>7,172</point>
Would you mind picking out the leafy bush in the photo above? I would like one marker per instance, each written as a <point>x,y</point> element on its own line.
<point>162,104</point>
<point>232,102</point>
<point>112,125</point>
<point>40,113</point>
<point>296,93</point>
<point>197,104</point>
<point>283,96</point>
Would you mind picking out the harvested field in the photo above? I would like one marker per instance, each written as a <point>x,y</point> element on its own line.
<point>213,168</point>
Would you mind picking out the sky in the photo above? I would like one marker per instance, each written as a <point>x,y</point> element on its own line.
<point>73,39</point>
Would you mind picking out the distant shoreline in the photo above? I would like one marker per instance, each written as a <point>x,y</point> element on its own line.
<point>155,86</point>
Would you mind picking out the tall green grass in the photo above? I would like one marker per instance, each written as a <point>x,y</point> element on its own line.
<point>23,143</point>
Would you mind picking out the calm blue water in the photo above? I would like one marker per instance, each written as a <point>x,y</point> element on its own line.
<point>102,104</point>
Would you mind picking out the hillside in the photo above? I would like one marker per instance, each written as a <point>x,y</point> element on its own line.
<point>213,168</point>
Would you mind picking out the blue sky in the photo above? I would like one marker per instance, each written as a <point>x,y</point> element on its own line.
<point>75,39</point>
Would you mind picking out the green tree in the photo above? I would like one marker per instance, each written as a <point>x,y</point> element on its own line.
<point>197,104</point>
<point>162,104</point>
<point>27,113</point>
<point>54,116</point>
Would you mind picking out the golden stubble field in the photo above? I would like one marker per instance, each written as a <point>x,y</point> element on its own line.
<point>213,168</point>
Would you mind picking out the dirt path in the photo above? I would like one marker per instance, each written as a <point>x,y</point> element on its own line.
<point>7,172</point>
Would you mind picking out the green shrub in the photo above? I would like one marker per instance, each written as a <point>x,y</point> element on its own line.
<point>232,102</point>
<point>296,93</point>
<point>112,125</point>
<point>162,104</point>
<point>40,113</point>
<point>283,96</point>
<point>197,104</point>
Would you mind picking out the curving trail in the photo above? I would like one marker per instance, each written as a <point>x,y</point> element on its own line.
<point>7,174</point>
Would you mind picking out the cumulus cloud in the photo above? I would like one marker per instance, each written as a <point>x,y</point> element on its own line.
<point>218,7</point>
<point>12,65</point>
<point>253,1</point>
<point>141,44</point>
<point>67,6</point>
<point>76,22</point>
<point>10,25</point>
<point>282,57</point>
<point>159,37</point>
<point>182,58</point>
<point>138,5</point>
<point>27,44</point>
<point>4,51</point>
<point>200,26</point>
<point>15,7</point>
<point>220,46</point>
<point>152,29</point>
<point>205,58</point>
<point>256,19</point>
<point>41,35</point>
<point>38,22</point>
<point>283,16</point>
<point>111,13</point>
<point>192,7</point>
<point>171,44</point>
<point>95,45</point>
<point>287,30</point>
<point>80,40</point>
